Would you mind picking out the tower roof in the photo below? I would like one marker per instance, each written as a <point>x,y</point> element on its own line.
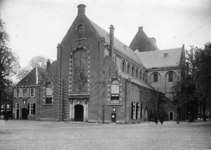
<point>142,42</point>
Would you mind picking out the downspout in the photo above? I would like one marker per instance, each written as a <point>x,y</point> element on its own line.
<point>98,81</point>
<point>125,100</point>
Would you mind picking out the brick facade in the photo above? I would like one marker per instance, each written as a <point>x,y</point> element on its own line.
<point>87,82</point>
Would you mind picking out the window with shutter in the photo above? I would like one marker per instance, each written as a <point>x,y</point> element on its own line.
<point>25,92</point>
<point>20,92</point>
<point>28,92</point>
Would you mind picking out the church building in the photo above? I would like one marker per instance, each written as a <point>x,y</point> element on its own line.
<point>97,78</point>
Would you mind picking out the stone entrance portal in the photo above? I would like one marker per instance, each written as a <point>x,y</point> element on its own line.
<point>78,107</point>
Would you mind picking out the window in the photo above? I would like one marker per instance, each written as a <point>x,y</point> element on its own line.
<point>140,74</point>
<point>133,110</point>
<point>32,92</point>
<point>32,108</point>
<point>80,71</point>
<point>141,111</point>
<point>136,73</point>
<point>170,76</point>
<point>8,107</point>
<point>17,105</point>
<point>133,71</point>
<point>15,92</point>
<point>20,94</point>
<point>49,94</point>
<point>138,110</point>
<point>128,68</point>
<point>123,66</point>
<point>25,92</point>
<point>155,77</point>
<point>115,90</point>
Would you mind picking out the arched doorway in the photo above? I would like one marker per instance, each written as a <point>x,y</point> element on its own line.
<point>24,113</point>
<point>79,112</point>
<point>145,114</point>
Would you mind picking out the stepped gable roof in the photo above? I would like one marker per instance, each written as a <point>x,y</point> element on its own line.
<point>142,42</point>
<point>118,45</point>
<point>161,58</point>
<point>137,81</point>
<point>33,77</point>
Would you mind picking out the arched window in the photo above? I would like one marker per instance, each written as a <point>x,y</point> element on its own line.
<point>123,66</point>
<point>133,71</point>
<point>80,72</point>
<point>170,76</point>
<point>155,77</point>
<point>115,90</point>
<point>128,68</point>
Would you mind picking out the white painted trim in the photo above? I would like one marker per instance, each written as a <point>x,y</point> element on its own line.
<point>36,76</point>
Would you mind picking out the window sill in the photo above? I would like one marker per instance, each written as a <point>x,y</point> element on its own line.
<point>47,104</point>
<point>114,103</point>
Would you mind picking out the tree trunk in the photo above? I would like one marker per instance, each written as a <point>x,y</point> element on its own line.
<point>204,111</point>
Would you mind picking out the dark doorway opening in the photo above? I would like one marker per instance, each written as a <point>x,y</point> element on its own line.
<point>171,117</point>
<point>17,114</point>
<point>113,117</point>
<point>24,113</point>
<point>79,113</point>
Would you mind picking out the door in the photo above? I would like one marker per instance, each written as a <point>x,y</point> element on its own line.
<point>79,112</point>
<point>17,113</point>
<point>24,113</point>
<point>171,115</point>
<point>113,117</point>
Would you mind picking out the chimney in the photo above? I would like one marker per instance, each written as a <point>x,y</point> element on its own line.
<point>48,64</point>
<point>140,28</point>
<point>81,9</point>
<point>111,41</point>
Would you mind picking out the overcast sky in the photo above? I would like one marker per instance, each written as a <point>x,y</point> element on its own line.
<point>36,27</point>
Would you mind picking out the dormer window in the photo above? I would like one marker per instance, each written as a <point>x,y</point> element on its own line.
<point>80,27</point>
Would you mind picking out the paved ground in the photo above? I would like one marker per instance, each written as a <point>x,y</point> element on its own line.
<point>35,135</point>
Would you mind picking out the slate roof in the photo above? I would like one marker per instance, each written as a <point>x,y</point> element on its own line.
<point>135,80</point>
<point>153,59</point>
<point>142,42</point>
<point>118,45</point>
<point>34,77</point>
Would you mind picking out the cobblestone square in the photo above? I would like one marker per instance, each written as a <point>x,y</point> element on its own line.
<point>43,135</point>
